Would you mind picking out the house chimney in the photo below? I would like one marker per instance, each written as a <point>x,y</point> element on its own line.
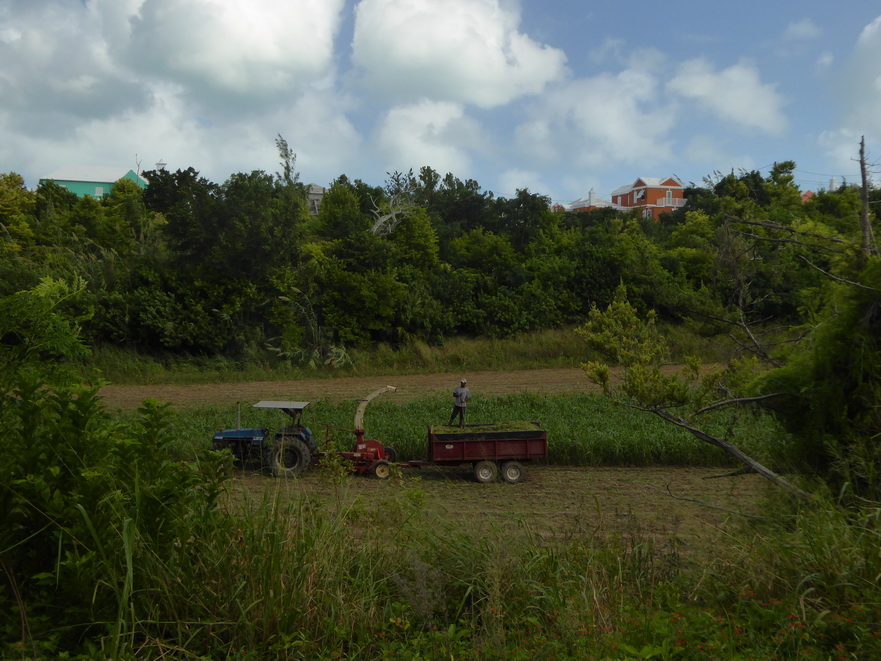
<point>833,184</point>
<point>590,197</point>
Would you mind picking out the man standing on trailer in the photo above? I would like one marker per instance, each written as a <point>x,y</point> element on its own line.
<point>461,397</point>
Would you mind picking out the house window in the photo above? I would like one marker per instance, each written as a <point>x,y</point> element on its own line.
<point>669,198</point>
<point>99,191</point>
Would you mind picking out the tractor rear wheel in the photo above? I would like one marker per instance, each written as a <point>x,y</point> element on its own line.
<point>512,472</point>
<point>290,457</point>
<point>391,455</point>
<point>486,471</point>
<point>381,470</point>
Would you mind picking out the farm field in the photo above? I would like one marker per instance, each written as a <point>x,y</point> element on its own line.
<point>673,505</point>
<point>410,387</point>
<point>555,503</point>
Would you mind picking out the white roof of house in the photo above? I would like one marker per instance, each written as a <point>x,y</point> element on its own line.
<point>584,202</point>
<point>99,173</point>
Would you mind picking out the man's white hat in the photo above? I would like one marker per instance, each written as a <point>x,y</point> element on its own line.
<point>464,381</point>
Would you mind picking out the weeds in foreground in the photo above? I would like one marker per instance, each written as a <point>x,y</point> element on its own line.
<point>291,576</point>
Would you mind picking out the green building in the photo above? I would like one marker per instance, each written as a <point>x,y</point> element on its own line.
<point>92,180</point>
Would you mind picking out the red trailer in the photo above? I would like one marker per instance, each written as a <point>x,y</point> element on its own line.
<point>492,450</point>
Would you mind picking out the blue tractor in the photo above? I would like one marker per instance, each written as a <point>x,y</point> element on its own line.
<point>286,453</point>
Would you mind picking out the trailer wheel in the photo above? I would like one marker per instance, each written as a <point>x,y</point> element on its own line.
<point>290,457</point>
<point>486,471</point>
<point>512,472</point>
<point>381,470</point>
<point>391,455</point>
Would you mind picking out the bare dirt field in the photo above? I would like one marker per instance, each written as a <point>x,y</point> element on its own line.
<point>410,386</point>
<point>674,506</point>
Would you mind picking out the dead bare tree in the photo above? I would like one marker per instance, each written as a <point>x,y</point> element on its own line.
<point>869,247</point>
<point>391,213</point>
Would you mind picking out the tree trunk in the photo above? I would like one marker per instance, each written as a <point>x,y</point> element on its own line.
<point>869,247</point>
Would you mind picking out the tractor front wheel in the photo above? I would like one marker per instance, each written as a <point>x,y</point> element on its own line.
<point>381,470</point>
<point>486,471</point>
<point>290,458</point>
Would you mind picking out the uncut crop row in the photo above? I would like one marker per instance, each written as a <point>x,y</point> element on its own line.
<point>582,429</point>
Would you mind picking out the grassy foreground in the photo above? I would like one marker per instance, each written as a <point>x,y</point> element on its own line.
<point>119,541</point>
<point>121,538</point>
<point>282,579</point>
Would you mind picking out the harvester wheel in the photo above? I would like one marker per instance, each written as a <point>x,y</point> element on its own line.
<point>391,455</point>
<point>290,458</point>
<point>486,471</point>
<point>381,470</point>
<point>512,472</point>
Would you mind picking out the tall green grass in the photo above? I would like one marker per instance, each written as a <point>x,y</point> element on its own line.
<point>583,429</point>
<point>558,348</point>
<point>287,577</point>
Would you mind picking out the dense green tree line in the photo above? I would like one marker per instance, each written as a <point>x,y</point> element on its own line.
<point>190,266</point>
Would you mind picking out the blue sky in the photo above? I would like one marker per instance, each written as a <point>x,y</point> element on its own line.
<point>557,96</point>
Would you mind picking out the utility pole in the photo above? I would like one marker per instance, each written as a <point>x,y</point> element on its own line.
<point>870,248</point>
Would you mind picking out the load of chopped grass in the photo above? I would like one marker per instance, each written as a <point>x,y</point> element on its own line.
<point>492,428</point>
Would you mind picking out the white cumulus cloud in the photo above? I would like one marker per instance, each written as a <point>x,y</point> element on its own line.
<point>466,51</point>
<point>864,77</point>
<point>235,46</point>
<point>736,94</point>
<point>433,133</point>
<point>593,121</point>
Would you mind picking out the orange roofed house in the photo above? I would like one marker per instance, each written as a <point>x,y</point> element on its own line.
<point>652,195</point>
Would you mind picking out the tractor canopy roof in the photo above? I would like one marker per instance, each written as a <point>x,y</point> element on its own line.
<point>285,406</point>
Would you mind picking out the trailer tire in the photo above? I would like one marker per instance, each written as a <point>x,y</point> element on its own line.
<point>486,471</point>
<point>290,457</point>
<point>391,455</point>
<point>381,470</point>
<point>512,472</point>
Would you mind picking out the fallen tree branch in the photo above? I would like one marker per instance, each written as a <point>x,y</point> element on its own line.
<point>724,445</point>
<point>731,449</point>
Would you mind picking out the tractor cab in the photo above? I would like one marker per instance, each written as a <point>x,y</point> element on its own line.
<point>296,429</point>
